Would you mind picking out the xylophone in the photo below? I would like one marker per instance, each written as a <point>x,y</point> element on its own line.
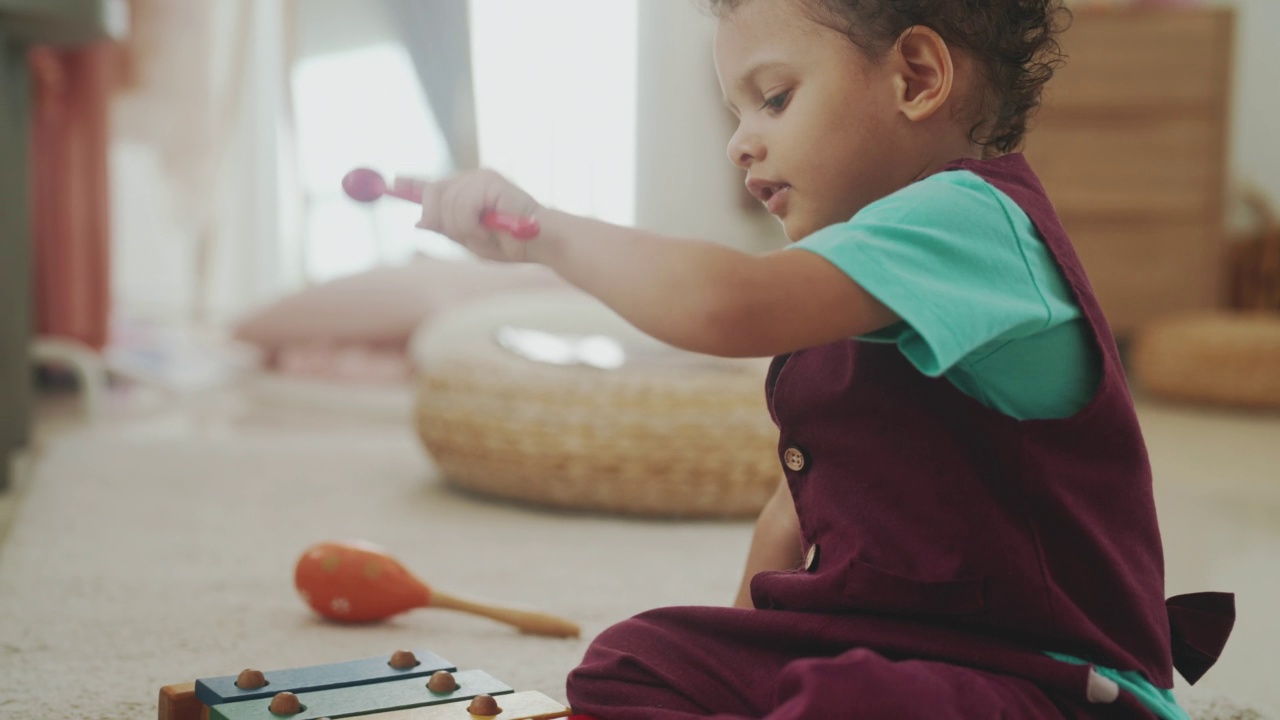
<point>404,686</point>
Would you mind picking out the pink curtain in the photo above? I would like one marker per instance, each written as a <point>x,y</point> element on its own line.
<point>71,210</point>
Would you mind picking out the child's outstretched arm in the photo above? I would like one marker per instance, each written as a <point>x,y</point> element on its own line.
<point>697,295</point>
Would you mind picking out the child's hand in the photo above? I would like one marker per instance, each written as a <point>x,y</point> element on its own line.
<point>454,208</point>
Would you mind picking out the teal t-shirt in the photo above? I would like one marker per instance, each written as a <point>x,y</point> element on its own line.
<point>1159,701</point>
<point>981,299</point>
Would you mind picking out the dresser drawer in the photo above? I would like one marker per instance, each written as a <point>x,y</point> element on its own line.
<point>1124,59</point>
<point>1153,164</point>
<point>1131,146</point>
<point>1141,270</point>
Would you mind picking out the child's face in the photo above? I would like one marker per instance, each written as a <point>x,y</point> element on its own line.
<point>819,131</point>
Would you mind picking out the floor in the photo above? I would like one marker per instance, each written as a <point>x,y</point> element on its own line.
<point>55,413</point>
<point>1218,495</point>
<point>1218,492</point>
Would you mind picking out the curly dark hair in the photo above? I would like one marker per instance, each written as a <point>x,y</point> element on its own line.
<point>1013,41</point>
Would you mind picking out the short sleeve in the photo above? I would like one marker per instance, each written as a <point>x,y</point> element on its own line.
<point>948,255</point>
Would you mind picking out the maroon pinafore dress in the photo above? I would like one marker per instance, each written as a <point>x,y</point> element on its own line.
<point>948,546</point>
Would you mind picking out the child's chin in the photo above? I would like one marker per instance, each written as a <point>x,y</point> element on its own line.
<point>795,230</point>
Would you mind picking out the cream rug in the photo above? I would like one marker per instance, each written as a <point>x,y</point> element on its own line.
<point>157,550</point>
<point>143,558</point>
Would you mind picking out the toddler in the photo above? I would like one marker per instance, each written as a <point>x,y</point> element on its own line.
<point>965,528</point>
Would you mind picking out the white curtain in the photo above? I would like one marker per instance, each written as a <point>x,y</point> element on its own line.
<point>208,210</point>
<point>204,201</point>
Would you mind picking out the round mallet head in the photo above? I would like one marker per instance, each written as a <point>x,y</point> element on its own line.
<point>364,185</point>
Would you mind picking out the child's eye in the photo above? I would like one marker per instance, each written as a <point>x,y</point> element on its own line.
<point>777,102</point>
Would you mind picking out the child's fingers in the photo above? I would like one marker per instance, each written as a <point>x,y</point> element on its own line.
<point>457,203</point>
<point>456,208</point>
<point>409,187</point>
<point>460,207</point>
<point>429,196</point>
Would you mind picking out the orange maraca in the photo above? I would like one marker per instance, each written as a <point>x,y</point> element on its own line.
<point>355,582</point>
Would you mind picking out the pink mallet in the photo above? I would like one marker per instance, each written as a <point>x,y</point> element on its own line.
<point>366,185</point>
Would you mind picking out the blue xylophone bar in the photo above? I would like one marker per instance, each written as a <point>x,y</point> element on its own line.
<point>219,690</point>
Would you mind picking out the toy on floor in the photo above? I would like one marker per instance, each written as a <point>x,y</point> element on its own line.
<point>366,185</point>
<point>408,686</point>
<point>359,582</point>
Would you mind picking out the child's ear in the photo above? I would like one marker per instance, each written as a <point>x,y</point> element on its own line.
<point>924,73</point>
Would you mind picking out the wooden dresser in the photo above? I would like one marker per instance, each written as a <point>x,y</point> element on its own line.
<point>1131,144</point>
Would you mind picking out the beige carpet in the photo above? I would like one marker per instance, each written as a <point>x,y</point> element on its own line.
<point>140,560</point>
<point>158,549</point>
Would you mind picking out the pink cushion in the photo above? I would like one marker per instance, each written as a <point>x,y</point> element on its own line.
<point>350,362</point>
<point>383,306</point>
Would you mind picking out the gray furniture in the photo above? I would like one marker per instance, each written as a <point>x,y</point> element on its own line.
<point>24,23</point>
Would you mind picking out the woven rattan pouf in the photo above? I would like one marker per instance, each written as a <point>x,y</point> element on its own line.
<point>1221,358</point>
<point>666,433</point>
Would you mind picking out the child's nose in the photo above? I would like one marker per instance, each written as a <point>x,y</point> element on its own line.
<point>745,149</point>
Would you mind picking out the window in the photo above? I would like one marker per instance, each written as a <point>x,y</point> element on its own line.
<point>555,87</point>
<point>362,107</point>
<point>556,100</point>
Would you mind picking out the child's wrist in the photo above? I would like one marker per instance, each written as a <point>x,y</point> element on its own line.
<point>547,247</point>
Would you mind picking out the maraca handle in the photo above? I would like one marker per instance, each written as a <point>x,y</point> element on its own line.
<point>527,621</point>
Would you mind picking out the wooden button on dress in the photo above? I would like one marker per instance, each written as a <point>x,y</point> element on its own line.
<point>811,559</point>
<point>793,457</point>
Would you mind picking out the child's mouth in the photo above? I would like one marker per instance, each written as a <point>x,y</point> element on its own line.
<point>772,193</point>
<point>775,200</point>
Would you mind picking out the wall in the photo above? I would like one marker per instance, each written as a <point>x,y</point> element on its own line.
<point>1256,124</point>
<point>687,186</point>
<point>326,26</point>
<point>685,183</point>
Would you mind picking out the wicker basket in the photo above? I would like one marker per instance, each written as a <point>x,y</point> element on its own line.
<point>1220,358</point>
<point>1254,259</point>
<point>669,433</point>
